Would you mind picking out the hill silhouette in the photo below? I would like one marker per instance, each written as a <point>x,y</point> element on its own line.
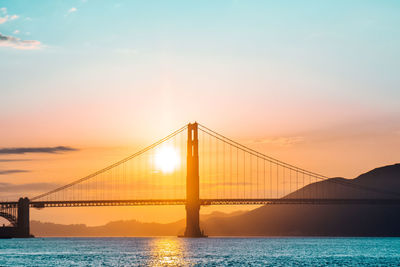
<point>382,182</point>
<point>119,228</point>
<point>280,220</point>
<point>323,220</point>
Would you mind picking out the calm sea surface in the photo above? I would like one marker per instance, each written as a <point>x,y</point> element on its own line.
<point>207,251</point>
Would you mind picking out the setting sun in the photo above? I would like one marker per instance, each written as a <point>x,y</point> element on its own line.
<point>167,159</point>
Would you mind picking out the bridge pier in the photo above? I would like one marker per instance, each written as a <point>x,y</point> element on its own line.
<point>192,184</point>
<point>23,230</point>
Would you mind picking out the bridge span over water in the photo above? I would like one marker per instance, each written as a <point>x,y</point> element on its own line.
<point>195,166</point>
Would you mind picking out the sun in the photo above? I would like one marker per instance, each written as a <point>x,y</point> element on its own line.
<point>167,159</point>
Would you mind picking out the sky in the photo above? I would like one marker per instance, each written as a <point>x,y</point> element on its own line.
<point>313,83</point>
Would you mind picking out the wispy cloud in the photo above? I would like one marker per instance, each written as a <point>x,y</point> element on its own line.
<point>5,172</point>
<point>16,32</point>
<point>17,43</point>
<point>3,11</point>
<point>279,141</point>
<point>71,10</point>
<point>13,160</point>
<point>6,17</point>
<point>29,187</point>
<point>23,150</point>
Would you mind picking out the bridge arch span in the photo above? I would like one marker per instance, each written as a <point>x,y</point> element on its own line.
<point>11,218</point>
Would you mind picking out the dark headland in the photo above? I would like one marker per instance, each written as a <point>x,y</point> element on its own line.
<point>276,220</point>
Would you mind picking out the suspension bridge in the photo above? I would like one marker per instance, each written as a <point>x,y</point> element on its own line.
<point>195,166</point>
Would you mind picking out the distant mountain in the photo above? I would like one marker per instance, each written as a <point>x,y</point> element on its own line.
<point>279,220</point>
<point>383,182</point>
<point>116,228</point>
<point>323,220</point>
<point>120,228</point>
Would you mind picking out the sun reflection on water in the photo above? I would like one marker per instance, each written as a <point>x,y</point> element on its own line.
<point>168,252</point>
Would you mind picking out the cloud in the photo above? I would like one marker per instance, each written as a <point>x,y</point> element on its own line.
<point>16,31</point>
<point>13,160</point>
<point>17,43</point>
<point>29,187</point>
<point>23,150</point>
<point>6,16</point>
<point>71,10</point>
<point>4,172</point>
<point>279,141</point>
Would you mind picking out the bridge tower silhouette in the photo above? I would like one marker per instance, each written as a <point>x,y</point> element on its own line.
<point>193,184</point>
<point>17,213</point>
<point>23,226</point>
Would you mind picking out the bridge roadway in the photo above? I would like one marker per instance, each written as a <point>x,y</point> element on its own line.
<point>204,202</point>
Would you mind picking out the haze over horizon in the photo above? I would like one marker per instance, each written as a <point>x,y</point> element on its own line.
<point>82,85</point>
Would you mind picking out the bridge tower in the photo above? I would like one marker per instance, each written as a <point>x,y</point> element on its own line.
<point>192,184</point>
<point>23,218</point>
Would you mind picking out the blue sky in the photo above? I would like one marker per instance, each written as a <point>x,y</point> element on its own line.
<point>350,45</point>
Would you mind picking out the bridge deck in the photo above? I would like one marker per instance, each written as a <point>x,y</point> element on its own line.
<point>149,202</point>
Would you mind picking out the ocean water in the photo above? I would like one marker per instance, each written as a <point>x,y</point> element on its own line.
<point>171,251</point>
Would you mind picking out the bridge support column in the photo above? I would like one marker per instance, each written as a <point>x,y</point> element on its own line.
<point>23,218</point>
<point>192,184</point>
